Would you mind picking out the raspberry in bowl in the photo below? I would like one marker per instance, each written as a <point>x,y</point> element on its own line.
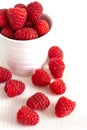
<point>26,35</point>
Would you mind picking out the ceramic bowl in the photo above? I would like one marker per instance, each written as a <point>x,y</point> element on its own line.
<point>24,56</point>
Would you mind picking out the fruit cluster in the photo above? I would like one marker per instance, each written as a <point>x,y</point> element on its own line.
<point>27,115</point>
<point>23,22</point>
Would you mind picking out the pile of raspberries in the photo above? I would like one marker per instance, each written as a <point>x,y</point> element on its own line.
<point>27,114</point>
<point>23,22</point>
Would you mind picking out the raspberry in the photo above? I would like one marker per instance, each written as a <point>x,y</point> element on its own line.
<point>3,18</point>
<point>27,116</point>
<point>42,27</point>
<point>55,52</point>
<point>58,86</point>
<point>28,24</point>
<point>8,32</point>
<point>34,10</point>
<point>26,34</point>
<point>64,107</point>
<point>20,5</point>
<point>41,78</point>
<point>5,74</point>
<point>56,67</point>
<point>38,101</point>
<point>17,17</point>
<point>14,88</point>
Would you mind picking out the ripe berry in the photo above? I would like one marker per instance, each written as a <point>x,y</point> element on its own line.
<point>64,107</point>
<point>17,17</point>
<point>8,32</point>
<point>14,88</point>
<point>56,67</point>
<point>27,116</point>
<point>34,10</point>
<point>3,18</point>
<point>28,24</point>
<point>41,78</point>
<point>55,52</point>
<point>5,74</point>
<point>20,5</point>
<point>38,101</point>
<point>42,27</point>
<point>26,34</point>
<point>58,86</point>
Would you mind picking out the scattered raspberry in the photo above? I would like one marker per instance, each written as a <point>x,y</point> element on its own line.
<point>42,27</point>
<point>41,78</point>
<point>64,107</point>
<point>55,52</point>
<point>8,32</point>
<point>34,10</point>
<point>20,5</point>
<point>58,86</point>
<point>5,74</point>
<point>17,17</point>
<point>14,88</point>
<point>38,101</point>
<point>56,67</point>
<point>27,116</point>
<point>3,18</point>
<point>26,34</point>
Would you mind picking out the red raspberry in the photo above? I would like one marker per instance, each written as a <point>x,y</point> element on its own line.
<point>26,34</point>
<point>14,88</point>
<point>34,10</point>
<point>41,78</point>
<point>27,116</point>
<point>58,86</point>
<point>42,27</point>
<point>28,24</point>
<point>8,32</point>
<point>56,67</point>
<point>3,18</point>
<point>17,17</point>
<point>20,5</point>
<point>64,107</point>
<point>5,74</point>
<point>38,101</point>
<point>55,52</point>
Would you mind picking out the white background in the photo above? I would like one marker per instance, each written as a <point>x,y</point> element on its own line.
<point>70,33</point>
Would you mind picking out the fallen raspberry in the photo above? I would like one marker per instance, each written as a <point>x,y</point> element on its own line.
<point>27,116</point>
<point>5,74</point>
<point>55,52</point>
<point>41,78</point>
<point>8,32</point>
<point>14,88</point>
<point>17,17</point>
<point>20,5</point>
<point>58,87</point>
<point>34,10</point>
<point>26,34</point>
<point>3,18</point>
<point>56,67</point>
<point>64,107</point>
<point>38,101</point>
<point>42,27</point>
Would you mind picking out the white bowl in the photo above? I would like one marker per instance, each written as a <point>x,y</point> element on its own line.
<point>23,57</point>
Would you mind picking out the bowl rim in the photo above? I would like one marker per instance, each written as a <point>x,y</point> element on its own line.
<point>36,39</point>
